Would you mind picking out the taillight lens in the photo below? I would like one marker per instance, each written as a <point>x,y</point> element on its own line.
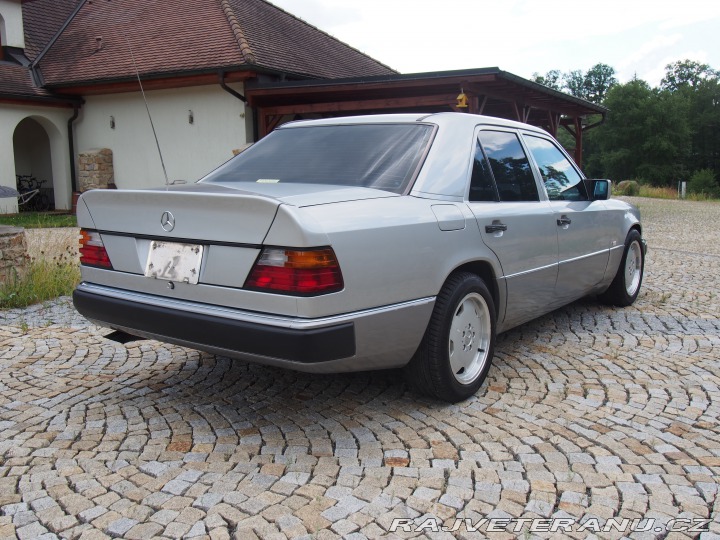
<point>293,271</point>
<point>92,250</point>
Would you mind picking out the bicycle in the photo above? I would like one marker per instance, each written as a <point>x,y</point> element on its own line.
<point>30,196</point>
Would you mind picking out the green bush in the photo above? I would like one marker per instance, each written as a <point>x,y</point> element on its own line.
<point>628,188</point>
<point>703,182</point>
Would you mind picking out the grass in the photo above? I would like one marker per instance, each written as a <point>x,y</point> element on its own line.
<point>45,280</point>
<point>38,220</point>
<point>53,270</point>
<point>653,192</point>
<point>658,192</point>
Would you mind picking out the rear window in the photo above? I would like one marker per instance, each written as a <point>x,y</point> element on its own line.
<point>381,156</point>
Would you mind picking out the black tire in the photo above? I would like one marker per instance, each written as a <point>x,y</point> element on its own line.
<point>464,307</point>
<point>625,287</point>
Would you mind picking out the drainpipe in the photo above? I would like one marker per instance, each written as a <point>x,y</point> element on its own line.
<point>71,145</point>
<point>224,86</point>
<point>221,75</point>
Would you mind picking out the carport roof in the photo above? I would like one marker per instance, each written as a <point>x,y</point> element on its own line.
<point>489,91</point>
<point>432,90</point>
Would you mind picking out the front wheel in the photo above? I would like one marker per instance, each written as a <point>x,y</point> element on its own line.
<point>626,285</point>
<point>457,350</point>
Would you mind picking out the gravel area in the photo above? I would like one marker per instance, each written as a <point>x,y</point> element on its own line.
<point>589,413</point>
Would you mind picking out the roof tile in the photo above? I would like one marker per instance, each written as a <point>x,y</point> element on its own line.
<point>42,19</point>
<point>16,81</point>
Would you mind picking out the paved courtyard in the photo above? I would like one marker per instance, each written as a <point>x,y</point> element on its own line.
<point>589,413</point>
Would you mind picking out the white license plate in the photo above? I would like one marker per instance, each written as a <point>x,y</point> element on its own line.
<point>174,262</point>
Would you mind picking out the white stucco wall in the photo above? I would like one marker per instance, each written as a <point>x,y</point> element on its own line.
<point>54,122</point>
<point>189,150</point>
<point>11,23</point>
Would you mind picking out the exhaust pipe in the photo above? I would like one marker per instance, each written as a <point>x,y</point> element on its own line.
<point>121,337</point>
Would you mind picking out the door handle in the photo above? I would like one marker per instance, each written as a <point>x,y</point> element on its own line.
<point>495,227</point>
<point>563,220</point>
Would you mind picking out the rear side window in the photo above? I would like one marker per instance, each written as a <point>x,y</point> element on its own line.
<point>562,181</point>
<point>381,156</point>
<point>510,166</point>
<point>482,185</point>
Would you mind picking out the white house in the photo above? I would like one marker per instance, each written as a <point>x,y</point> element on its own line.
<point>69,83</point>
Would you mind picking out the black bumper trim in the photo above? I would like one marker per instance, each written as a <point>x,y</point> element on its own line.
<point>305,346</point>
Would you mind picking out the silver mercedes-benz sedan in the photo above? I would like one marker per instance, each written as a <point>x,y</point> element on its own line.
<point>362,243</point>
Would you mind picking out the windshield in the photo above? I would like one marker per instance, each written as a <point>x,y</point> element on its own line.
<point>381,156</point>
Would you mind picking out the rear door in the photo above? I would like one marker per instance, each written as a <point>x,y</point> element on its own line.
<point>582,224</point>
<point>515,223</point>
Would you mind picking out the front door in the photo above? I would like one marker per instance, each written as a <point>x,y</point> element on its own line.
<point>582,224</point>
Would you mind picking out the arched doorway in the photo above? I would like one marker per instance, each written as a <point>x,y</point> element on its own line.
<point>33,159</point>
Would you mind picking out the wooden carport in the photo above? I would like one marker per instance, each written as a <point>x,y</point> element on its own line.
<point>488,91</point>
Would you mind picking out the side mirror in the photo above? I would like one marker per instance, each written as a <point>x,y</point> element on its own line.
<point>599,190</point>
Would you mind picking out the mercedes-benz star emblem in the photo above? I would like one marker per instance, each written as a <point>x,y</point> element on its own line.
<point>167,220</point>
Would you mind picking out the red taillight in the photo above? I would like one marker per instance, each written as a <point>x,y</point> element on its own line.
<point>294,271</point>
<point>92,250</point>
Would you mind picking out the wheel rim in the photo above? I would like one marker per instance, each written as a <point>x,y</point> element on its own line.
<point>469,340</point>
<point>633,268</point>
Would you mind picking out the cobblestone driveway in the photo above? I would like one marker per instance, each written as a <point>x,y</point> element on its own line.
<point>587,412</point>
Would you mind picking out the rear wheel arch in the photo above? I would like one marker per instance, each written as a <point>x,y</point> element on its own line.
<point>485,271</point>
<point>457,348</point>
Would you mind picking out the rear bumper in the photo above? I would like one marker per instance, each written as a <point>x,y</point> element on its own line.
<point>296,345</point>
<point>371,339</point>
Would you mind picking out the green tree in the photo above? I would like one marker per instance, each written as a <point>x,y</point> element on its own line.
<point>704,117</point>
<point>646,135</point>
<point>685,73</point>
<point>575,83</point>
<point>593,84</point>
<point>598,80</point>
<point>552,79</point>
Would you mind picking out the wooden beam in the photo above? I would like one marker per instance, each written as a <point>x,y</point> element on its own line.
<point>481,108</point>
<point>578,141</point>
<point>37,102</point>
<point>448,100</point>
<point>553,122</point>
<point>335,89</point>
<point>518,117</point>
<point>153,84</point>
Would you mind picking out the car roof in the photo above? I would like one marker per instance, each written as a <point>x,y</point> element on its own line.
<point>443,118</point>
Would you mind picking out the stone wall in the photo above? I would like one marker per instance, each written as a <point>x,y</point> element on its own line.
<point>95,169</point>
<point>14,259</point>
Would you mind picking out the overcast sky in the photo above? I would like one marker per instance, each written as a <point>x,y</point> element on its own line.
<point>523,36</point>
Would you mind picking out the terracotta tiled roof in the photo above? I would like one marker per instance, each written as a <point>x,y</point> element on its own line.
<point>283,42</point>
<point>186,36</point>
<point>42,19</point>
<point>16,82</point>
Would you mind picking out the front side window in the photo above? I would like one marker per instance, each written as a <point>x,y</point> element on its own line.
<point>510,166</point>
<point>380,156</point>
<point>562,181</point>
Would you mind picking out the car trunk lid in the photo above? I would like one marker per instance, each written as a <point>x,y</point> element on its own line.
<point>201,212</point>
